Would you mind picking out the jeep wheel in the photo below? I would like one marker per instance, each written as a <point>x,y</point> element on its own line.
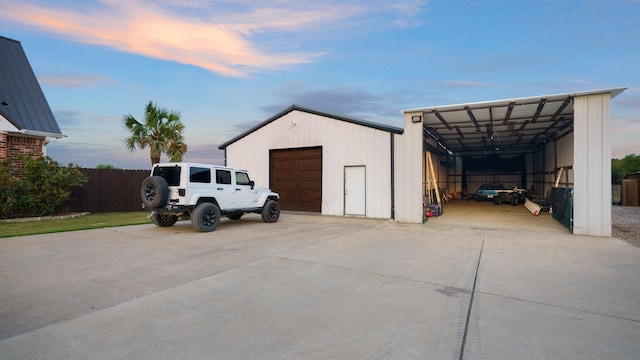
<point>154,192</point>
<point>497,200</point>
<point>270,211</point>
<point>205,217</point>
<point>515,201</point>
<point>163,219</point>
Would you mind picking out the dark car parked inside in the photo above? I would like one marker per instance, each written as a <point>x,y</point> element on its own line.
<point>488,191</point>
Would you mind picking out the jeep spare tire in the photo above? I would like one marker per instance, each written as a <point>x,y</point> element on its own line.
<point>270,211</point>
<point>154,192</point>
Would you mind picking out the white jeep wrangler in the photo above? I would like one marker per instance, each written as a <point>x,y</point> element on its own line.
<point>203,193</point>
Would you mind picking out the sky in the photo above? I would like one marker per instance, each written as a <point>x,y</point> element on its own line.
<point>226,66</point>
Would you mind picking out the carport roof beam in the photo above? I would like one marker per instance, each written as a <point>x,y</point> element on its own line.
<point>566,102</point>
<point>539,109</point>
<point>437,114</point>
<point>509,110</point>
<point>459,132</point>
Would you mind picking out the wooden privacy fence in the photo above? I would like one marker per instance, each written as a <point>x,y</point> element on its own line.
<point>108,190</point>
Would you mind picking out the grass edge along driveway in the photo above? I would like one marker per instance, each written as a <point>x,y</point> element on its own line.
<point>45,225</point>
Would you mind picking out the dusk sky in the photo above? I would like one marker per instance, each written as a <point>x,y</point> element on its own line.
<point>226,66</point>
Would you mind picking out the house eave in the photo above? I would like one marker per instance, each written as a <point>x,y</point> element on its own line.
<point>41,134</point>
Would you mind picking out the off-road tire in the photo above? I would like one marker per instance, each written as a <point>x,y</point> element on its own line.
<point>497,200</point>
<point>515,201</point>
<point>205,217</point>
<point>270,211</point>
<point>154,192</point>
<point>163,219</point>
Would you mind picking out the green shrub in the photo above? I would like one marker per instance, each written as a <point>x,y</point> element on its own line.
<point>8,186</point>
<point>36,186</point>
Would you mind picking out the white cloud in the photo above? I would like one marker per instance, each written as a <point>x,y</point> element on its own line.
<point>76,81</point>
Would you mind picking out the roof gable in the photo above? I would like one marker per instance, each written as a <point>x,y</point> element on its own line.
<point>391,129</point>
<point>22,101</point>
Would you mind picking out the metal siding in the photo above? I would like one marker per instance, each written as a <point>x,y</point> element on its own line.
<point>550,163</point>
<point>408,172</point>
<point>565,153</point>
<point>343,144</point>
<point>592,165</point>
<point>605,173</point>
<point>565,158</point>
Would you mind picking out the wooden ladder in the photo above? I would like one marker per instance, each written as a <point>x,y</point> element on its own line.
<point>431,179</point>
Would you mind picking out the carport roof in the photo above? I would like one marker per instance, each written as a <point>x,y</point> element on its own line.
<point>510,125</point>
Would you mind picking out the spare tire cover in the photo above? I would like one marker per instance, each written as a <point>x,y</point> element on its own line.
<point>154,191</point>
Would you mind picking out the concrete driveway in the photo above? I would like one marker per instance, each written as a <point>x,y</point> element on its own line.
<point>470,285</point>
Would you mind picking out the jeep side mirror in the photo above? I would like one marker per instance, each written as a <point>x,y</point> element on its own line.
<point>252,183</point>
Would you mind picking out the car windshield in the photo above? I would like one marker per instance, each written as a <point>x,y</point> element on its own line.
<point>491,187</point>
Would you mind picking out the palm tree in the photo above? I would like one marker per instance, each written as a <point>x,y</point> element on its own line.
<point>161,131</point>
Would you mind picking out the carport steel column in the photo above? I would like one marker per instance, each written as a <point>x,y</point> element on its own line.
<point>408,171</point>
<point>592,165</point>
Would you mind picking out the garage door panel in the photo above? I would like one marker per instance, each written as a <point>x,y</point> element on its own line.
<point>296,174</point>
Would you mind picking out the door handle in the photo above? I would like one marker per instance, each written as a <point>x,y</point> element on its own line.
<point>238,189</point>
<point>219,189</point>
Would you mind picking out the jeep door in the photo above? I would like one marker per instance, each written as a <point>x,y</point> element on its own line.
<point>198,183</point>
<point>243,194</point>
<point>224,189</point>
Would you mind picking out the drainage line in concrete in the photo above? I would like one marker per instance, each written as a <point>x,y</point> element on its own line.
<point>473,291</point>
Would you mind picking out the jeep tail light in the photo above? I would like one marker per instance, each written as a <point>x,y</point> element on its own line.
<point>182,192</point>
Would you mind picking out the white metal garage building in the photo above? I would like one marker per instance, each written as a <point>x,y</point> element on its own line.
<point>341,166</point>
<point>320,162</point>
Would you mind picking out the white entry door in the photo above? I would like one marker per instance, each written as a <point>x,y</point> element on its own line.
<point>354,190</point>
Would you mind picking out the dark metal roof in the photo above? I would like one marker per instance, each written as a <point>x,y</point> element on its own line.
<point>22,101</point>
<point>387,128</point>
<point>509,126</point>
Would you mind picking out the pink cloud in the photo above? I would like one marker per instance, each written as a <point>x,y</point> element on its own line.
<point>227,38</point>
<point>151,31</point>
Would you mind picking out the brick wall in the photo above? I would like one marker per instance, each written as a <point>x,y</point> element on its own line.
<point>3,146</point>
<point>20,145</point>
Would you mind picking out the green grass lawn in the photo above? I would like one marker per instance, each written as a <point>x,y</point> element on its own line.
<point>84,222</point>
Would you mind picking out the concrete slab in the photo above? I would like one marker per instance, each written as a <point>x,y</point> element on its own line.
<point>505,328</point>
<point>275,308</point>
<point>322,287</point>
<point>589,274</point>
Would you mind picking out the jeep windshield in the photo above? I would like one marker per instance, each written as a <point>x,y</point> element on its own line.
<point>170,173</point>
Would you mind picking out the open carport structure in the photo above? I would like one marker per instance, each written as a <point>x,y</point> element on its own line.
<point>533,142</point>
